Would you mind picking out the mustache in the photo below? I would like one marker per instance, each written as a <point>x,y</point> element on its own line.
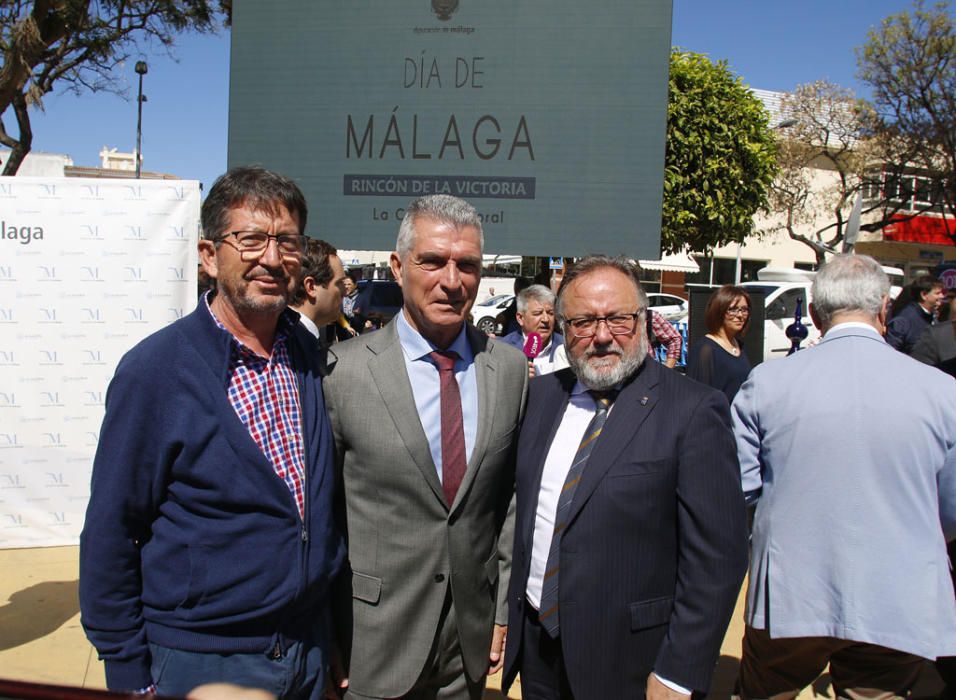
<point>263,273</point>
<point>603,351</point>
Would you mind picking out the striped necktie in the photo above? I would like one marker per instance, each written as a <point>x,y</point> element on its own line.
<point>549,592</point>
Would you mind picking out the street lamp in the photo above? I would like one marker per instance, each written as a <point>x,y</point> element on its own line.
<point>142,69</point>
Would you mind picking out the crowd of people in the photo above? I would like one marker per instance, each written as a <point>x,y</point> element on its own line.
<point>401,513</point>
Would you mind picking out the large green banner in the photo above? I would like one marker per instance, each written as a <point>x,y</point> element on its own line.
<point>549,116</point>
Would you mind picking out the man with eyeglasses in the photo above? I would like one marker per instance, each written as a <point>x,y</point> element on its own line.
<point>630,535</point>
<point>209,543</point>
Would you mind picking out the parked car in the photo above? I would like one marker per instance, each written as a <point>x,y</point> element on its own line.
<point>484,313</point>
<point>780,302</point>
<point>782,288</point>
<point>670,306</point>
<point>377,302</point>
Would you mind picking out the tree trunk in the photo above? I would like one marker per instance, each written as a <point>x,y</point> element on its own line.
<point>24,144</point>
<point>14,160</point>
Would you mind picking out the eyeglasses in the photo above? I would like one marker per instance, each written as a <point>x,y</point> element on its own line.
<point>289,244</point>
<point>618,324</point>
<point>739,311</point>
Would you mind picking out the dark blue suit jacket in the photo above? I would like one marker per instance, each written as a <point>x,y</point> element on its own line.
<point>656,545</point>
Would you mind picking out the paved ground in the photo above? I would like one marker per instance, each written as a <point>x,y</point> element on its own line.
<point>41,638</point>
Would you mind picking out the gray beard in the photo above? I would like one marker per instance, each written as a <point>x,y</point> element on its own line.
<point>601,379</point>
<point>243,303</point>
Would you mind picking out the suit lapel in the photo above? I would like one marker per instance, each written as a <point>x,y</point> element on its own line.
<point>632,407</point>
<point>387,368</point>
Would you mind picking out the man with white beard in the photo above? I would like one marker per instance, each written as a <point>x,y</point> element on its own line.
<point>630,538</point>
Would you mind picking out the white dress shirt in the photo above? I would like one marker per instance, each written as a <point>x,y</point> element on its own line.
<point>547,362</point>
<point>578,414</point>
<point>308,324</point>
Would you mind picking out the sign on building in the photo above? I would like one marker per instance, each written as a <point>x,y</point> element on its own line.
<point>548,115</point>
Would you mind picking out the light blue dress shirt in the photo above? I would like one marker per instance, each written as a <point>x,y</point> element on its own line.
<point>426,386</point>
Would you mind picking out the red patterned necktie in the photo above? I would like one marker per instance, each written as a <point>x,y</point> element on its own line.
<point>453,459</point>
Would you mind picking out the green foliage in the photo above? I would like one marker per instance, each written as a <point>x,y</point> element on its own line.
<point>720,156</point>
<point>76,45</point>
<point>910,62</point>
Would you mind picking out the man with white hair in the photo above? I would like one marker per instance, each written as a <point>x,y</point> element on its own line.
<point>536,315</point>
<point>849,450</point>
<point>630,533</point>
<point>427,464</point>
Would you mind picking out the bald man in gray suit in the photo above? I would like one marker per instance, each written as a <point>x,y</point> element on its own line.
<point>424,414</point>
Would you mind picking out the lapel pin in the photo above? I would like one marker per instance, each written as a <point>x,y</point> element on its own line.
<point>644,401</point>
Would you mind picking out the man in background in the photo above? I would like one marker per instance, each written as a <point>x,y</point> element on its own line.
<point>320,287</point>
<point>849,451</point>
<point>535,314</point>
<point>911,318</point>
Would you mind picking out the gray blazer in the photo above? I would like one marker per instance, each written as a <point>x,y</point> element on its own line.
<point>406,547</point>
<point>854,446</point>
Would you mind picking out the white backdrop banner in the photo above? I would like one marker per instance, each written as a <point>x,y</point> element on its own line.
<point>88,268</point>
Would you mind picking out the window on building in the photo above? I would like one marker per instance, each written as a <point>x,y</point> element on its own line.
<point>723,270</point>
<point>650,280</point>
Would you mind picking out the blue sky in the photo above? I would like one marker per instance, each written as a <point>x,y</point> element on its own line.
<point>773,45</point>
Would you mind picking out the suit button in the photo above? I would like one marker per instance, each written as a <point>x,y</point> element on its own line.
<point>439,578</point>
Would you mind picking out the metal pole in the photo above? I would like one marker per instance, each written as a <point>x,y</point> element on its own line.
<point>737,268</point>
<point>141,69</point>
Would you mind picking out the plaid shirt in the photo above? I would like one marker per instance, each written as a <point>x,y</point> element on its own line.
<point>265,396</point>
<point>666,335</point>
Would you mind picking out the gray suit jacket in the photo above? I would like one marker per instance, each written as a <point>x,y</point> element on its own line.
<point>405,545</point>
<point>854,446</point>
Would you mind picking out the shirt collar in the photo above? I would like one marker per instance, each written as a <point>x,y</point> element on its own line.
<point>416,346</point>
<point>309,325</point>
<point>853,325</point>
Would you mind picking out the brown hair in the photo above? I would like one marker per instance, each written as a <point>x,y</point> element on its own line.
<point>254,187</point>
<point>315,264</point>
<point>718,304</point>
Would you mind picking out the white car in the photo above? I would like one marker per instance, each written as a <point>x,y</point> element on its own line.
<point>484,313</point>
<point>780,301</point>
<point>783,288</point>
<point>670,306</point>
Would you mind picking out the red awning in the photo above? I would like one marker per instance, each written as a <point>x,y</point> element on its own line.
<point>921,229</point>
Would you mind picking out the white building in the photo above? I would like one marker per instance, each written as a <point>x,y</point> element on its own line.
<point>915,246</point>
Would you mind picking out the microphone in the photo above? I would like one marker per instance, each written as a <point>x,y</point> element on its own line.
<point>532,346</point>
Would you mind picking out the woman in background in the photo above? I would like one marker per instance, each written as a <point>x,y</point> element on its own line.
<point>718,359</point>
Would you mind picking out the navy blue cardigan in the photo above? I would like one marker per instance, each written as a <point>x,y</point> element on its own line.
<point>191,540</point>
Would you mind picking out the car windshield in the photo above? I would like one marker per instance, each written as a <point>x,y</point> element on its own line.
<point>493,300</point>
<point>765,289</point>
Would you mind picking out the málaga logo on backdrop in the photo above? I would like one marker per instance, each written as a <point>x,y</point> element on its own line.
<point>444,8</point>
